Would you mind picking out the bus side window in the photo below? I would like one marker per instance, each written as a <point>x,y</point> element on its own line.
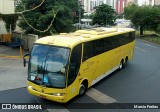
<point>88,51</point>
<point>99,47</point>
<point>132,36</point>
<point>127,37</point>
<point>115,42</point>
<point>121,40</point>
<point>75,62</point>
<point>107,44</point>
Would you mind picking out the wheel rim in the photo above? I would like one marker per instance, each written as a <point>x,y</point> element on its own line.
<point>82,89</point>
<point>120,66</point>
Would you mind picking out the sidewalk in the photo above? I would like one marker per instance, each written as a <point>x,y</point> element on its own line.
<point>9,52</point>
<point>13,74</point>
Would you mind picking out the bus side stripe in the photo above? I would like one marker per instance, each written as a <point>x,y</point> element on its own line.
<point>104,75</point>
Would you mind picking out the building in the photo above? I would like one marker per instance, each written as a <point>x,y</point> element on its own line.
<point>89,5</point>
<point>111,3</point>
<point>7,6</point>
<point>156,2</point>
<point>120,4</point>
<point>132,2</point>
<point>150,2</point>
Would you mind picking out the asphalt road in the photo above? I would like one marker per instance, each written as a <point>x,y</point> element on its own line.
<point>138,83</point>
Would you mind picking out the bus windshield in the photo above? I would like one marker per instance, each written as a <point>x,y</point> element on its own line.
<point>48,66</point>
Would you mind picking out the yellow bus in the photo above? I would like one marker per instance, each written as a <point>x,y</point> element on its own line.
<point>63,66</point>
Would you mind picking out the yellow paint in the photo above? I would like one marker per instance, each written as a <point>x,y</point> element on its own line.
<point>21,52</point>
<point>8,56</point>
<point>5,38</point>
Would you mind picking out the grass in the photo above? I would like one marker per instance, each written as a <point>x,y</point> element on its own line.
<point>149,36</point>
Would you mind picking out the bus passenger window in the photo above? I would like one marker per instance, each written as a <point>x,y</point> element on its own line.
<point>108,44</point>
<point>88,51</point>
<point>98,47</point>
<point>132,36</point>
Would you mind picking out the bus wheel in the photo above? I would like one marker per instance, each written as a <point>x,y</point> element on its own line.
<point>121,65</point>
<point>126,62</point>
<point>82,89</point>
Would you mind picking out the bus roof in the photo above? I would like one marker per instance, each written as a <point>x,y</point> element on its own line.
<point>72,39</point>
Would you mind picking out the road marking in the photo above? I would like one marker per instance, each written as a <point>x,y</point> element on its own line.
<point>92,93</point>
<point>51,110</point>
<point>150,45</point>
<point>99,96</point>
<point>140,49</point>
<point>11,57</point>
<point>10,67</point>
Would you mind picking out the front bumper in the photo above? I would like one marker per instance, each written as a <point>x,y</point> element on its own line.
<point>60,99</point>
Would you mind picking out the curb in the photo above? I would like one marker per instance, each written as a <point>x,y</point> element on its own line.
<point>11,57</point>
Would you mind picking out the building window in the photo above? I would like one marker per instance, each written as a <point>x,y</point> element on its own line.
<point>92,5</point>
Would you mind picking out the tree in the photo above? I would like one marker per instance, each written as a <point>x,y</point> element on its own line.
<point>158,29</point>
<point>130,11</point>
<point>41,17</point>
<point>0,15</point>
<point>104,15</point>
<point>10,20</point>
<point>155,14</point>
<point>141,18</point>
<point>146,17</point>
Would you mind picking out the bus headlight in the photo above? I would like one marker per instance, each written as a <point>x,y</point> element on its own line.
<point>30,87</point>
<point>58,94</point>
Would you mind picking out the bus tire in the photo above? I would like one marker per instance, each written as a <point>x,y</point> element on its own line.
<point>121,65</point>
<point>82,89</point>
<point>126,62</point>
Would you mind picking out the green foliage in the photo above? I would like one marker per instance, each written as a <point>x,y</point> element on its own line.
<point>130,11</point>
<point>158,29</point>
<point>146,17</point>
<point>104,15</point>
<point>20,6</point>
<point>10,19</point>
<point>41,18</point>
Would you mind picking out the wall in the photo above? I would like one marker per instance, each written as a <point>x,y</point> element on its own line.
<point>7,6</point>
<point>2,28</point>
<point>28,40</point>
<point>157,2</point>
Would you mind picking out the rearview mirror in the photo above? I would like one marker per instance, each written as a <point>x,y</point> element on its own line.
<point>24,59</point>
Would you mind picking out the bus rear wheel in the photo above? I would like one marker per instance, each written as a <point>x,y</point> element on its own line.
<point>126,62</point>
<point>121,65</point>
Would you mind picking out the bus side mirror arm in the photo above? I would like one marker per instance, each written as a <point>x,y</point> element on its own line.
<point>24,59</point>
